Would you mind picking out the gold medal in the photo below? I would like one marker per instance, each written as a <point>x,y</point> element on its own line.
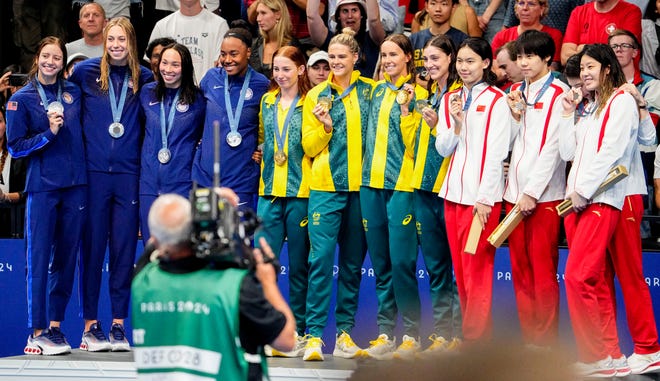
<point>280,157</point>
<point>325,102</point>
<point>402,96</point>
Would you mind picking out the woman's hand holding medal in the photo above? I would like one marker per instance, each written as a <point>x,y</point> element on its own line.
<point>456,112</point>
<point>55,114</point>
<point>516,104</point>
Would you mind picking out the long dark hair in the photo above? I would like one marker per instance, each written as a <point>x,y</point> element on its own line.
<point>188,87</point>
<point>50,40</point>
<point>608,82</point>
<point>480,46</point>
<point>445,44</point>
<point>404,43</point>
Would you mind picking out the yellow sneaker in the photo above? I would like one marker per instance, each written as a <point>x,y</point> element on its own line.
<point>408,348</point>
<point>313,350</point>
<point>345,347</point>
<point>297,351</point>
<point>381,349</point>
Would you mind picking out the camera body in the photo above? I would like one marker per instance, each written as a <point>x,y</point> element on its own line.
<point>18,79</point>
<point>221,233</point>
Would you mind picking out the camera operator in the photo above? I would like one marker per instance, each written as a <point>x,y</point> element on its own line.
<point>188,317</point>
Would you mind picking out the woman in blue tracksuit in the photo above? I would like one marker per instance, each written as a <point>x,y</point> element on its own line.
<point>173,108</point>
<point>233,93</point>
<point>43,124</point>
<point>112,136</point>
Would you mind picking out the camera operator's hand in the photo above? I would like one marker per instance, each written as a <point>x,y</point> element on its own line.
<point>264,269</point>
<point>228,195</point>
<point>265,272</point>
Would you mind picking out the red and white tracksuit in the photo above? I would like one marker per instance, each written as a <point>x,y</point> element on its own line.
<point>625,260</point>
<point>537,170</point>
<point>595,143</point>
<point>474,175</point>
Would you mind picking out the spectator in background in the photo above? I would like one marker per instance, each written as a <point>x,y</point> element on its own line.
<point>439,12</point>
<point>116,8</point>
<point>490,14</point>
<point>198,29</point>
<point>650,61</point>
<point>12,180</point>
<point>462,18</point>
<point>34,20</point>
<point>275,31</point>
<point>318,67</point>
<point>530,13</point>
<point>153,52</point>
<point>71,62</point>
<point>354,14</point>
<point>557,17</point>
<point>626,48</point>
<point>508,72</point>
<point>297,16</point>
<point>387,9</point>
<point>92,21</point>
<point>593,22</point>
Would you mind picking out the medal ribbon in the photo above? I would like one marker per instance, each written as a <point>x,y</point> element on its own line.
<point>279,137</point>
<point>42,93</point>
<point>235,118</point>
<point>344,94</point>
<point>544,88</point>
<point>117,109</point>
<point>166,126</point>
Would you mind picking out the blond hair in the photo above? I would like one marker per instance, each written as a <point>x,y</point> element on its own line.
<point>283,27</point>
<point>133,61</point>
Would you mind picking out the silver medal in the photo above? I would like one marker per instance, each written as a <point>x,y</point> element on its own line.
<point>55,107</point>
<point>116,130</point>
<point>164,155</point>
<point>234,139</point>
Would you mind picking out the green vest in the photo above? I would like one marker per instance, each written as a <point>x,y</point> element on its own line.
<point>187,324</point>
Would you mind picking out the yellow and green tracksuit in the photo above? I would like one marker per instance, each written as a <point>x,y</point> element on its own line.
<point>387,206</point>
<point>334,200</point>
<point>283,196</point>
<point>428,175</point>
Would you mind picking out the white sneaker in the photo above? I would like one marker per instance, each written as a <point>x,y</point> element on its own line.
<point>313,351</point>
<point>408,348</point>
<point>641,364</point>
<point>621,366</point>
<point>598,369</point>
<point>297,351</point>
<point>381,349</point>
<point>345,347</point>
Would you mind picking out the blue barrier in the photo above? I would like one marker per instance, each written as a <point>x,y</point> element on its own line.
<point>13,315</point>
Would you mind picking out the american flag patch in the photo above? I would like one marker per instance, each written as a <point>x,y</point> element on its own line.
<point>481,108</point>
<point>12,106</point>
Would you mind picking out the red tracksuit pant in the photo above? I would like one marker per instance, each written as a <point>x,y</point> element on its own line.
<point>474,273</point>
<point>534,256</point>
<point>625,260</point>
<point>588,234</point>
